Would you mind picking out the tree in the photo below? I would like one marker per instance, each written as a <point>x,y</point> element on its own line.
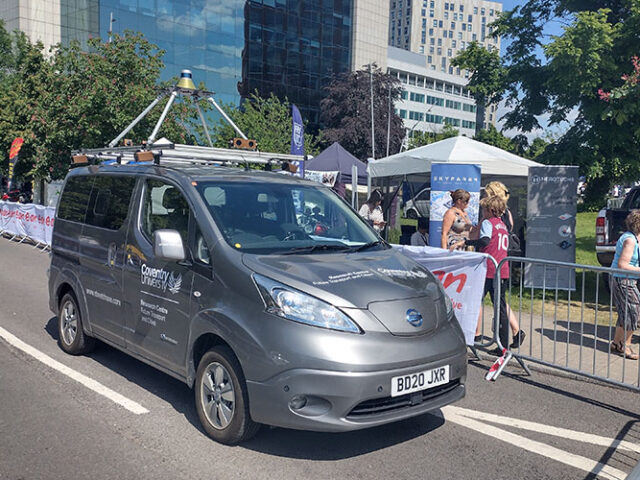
<point>419,138</point>
<point>487,77</point>
<point>266,120</point>
<point>590,56</point>
<point>491,136</point>
<point>76,99</point>
<point>346,112</point>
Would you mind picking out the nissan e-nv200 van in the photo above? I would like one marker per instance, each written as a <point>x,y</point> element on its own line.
<point>265,293</point>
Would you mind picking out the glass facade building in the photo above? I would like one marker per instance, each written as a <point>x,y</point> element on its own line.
<point>288,47</point>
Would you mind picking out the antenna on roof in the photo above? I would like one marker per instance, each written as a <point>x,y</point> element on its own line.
<point>152,151</point>
<point>186,87</point>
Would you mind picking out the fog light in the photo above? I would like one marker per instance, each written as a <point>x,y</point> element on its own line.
<point>298,402</point>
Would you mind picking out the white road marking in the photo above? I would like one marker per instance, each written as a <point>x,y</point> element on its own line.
<point>548,429</point>
<point>577,461</point>
<point>90,383</point>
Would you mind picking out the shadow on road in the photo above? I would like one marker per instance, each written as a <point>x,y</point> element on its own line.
<point>177,393</point>
<point>272,441</point>
<point>338,446</point>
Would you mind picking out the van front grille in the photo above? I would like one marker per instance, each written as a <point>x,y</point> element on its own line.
<point>377,406</point>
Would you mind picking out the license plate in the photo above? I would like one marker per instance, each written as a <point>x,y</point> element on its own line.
<point>414,382</point>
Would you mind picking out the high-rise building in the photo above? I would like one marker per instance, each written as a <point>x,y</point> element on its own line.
<point>288,47</point>
<point>430,99</point>
<point>440,30</point>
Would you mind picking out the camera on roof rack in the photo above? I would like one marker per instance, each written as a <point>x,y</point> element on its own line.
<point>244,144</point>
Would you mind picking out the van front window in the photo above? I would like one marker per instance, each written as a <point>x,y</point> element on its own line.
<point>261,217</point>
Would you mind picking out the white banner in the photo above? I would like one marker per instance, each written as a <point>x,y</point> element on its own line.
<point>462,274</point>
<point>27,220</point>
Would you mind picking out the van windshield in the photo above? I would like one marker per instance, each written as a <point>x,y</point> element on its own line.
<point>261,217</point>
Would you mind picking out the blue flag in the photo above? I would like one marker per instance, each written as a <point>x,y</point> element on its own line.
<point>297,132</point>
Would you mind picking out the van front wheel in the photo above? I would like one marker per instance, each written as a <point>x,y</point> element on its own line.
<point>221,398</point>
<point>71,336</point>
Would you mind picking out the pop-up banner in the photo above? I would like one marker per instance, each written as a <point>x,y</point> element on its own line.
<point>27,220</point>
<point>462,274</point>
<point>445,178</point>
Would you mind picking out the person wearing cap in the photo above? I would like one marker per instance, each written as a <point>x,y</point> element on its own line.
<point>419,238</point>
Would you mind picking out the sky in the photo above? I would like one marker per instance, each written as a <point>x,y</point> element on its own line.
<point>553,28</point>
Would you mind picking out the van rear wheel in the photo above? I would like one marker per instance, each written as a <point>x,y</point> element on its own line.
<point>221,398</point>
<point>71,336</point>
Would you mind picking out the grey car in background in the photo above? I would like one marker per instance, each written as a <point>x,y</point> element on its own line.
<point>265,293</point>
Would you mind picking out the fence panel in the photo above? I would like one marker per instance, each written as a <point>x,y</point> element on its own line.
<point>571,329</point>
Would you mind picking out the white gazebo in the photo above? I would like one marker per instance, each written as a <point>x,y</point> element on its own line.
<point>493,161</point>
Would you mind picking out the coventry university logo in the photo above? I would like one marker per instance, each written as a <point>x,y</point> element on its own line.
<point>161,279</point>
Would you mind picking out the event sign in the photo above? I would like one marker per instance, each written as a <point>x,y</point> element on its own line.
<point>27,220</point>
<point>462,275</point>
<point>16,145</point>
<point>551,225</point>
<point>297,138</point>
<point>326,178</point>
<point>445,178</point>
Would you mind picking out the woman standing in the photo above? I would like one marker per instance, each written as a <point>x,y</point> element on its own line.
<point>498,189</point>
<point>456,223</point>
<point>371,211</point>
<point>494,240</point>
<point>625,288</point>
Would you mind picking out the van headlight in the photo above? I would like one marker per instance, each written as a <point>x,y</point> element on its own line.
<point>292,304</point>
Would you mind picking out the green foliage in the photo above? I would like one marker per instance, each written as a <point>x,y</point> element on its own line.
<point>487,81</point>
<point>266,120</point>
<point>346,112</point>
<point>419,138</point>
<point>81,99</point>
<point>589,59</point>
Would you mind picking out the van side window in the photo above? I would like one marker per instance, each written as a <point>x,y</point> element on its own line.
<point>164,208</point>
<point>75,198</point>
<point>109,202</point>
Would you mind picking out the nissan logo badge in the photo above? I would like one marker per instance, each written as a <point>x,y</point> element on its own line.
<point>414,317</point>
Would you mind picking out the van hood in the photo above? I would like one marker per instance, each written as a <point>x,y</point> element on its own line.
<point>350,280</point>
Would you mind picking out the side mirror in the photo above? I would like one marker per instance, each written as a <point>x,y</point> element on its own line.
<point>168,244</point>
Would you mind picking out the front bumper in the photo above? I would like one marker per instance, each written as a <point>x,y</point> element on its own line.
<point>343,401</point>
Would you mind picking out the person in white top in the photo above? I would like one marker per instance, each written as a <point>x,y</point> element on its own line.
<point>419,238</point>
<point>371,211</point>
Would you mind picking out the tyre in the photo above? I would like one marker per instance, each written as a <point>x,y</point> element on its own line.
<point>412,214</point>
<point>221,398</point>
<point>71,336</point>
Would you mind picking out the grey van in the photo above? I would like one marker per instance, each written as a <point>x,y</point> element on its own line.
<point>267,294</point>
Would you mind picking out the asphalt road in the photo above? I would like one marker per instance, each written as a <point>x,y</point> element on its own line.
<point>53,426</point>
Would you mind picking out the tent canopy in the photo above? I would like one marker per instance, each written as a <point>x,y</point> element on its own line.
<point>492,160</point>
<point>337,159</point>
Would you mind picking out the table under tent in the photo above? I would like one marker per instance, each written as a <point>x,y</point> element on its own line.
<point>413,169</point>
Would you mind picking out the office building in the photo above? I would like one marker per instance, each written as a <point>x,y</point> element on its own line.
<point>440,30</point>
<point>288,47</point>
<point>430,99</point>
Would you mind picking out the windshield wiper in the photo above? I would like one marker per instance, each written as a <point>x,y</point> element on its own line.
<point>316,248</point>
<point>364,246</point>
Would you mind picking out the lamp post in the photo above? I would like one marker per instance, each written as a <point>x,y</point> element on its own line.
<point>111,20</point>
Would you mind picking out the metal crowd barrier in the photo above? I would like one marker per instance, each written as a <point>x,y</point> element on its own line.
<point>569,317</point>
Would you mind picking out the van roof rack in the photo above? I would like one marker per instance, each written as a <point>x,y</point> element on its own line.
<point>179,154</point>
<point>163,151</point>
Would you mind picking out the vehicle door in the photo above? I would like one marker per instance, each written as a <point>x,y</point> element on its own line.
<point>101,254</point>
<point>422,202</point>
<point>157,291</point>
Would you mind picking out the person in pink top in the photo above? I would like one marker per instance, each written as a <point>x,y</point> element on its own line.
<point>494,240</point>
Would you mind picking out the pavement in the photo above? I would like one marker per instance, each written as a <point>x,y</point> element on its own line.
<point>575,347</point>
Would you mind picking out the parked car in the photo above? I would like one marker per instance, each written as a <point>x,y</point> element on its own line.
<point>610,225</point>
<point>213,276</point>
<point>418,206</point>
